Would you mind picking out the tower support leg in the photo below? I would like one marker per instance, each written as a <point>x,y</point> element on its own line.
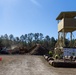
<point>71,38</point>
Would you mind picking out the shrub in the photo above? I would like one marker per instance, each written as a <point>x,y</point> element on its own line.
<point>56,56</point>
<point>50,53</point>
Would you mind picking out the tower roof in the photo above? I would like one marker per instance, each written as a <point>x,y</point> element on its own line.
<point>68,14</point>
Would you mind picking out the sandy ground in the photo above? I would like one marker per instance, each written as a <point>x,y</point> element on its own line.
<point>30,65</point>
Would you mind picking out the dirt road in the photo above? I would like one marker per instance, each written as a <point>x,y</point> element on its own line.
<point>30,65</point>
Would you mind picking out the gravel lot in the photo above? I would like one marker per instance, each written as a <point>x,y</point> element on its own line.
<point>30,65</point>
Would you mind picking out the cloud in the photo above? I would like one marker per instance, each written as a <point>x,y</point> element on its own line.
<point>35,2</point>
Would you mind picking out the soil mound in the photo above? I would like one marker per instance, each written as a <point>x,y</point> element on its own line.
<point>38,50</point>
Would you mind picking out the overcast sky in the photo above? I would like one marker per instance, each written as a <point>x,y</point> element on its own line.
<point>19,17</point>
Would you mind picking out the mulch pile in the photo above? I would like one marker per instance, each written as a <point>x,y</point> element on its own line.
<point>38,50</point>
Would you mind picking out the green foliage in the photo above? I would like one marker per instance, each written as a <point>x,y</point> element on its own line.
<point>28,40</point>
<point>56,56</point>
<point>50,53</point>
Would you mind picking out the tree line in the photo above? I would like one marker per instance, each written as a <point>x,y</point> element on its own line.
<point>31,39</point>
<point>28,40</point>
